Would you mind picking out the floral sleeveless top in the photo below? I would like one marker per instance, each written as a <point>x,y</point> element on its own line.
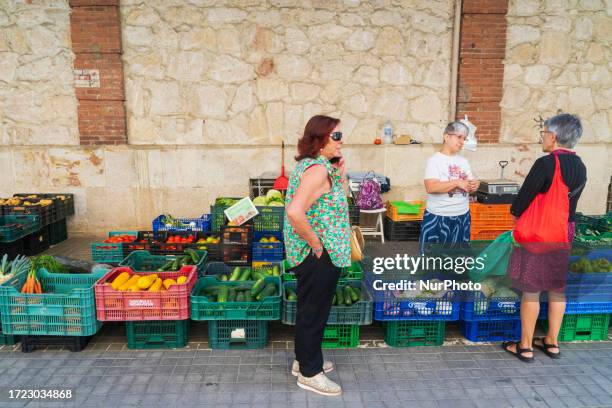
<point>328,217</point>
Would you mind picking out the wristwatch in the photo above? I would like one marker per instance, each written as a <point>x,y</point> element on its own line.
<point>317,251</point>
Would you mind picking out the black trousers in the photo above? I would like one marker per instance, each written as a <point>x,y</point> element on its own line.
<point>316,284</point>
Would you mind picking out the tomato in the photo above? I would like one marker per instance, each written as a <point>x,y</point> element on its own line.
<point>377,141</point>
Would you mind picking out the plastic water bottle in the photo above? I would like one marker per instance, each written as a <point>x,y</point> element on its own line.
<point>388,133</point>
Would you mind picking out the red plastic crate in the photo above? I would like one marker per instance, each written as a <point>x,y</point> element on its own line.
<point>171,304</point>
<point>491,217</point>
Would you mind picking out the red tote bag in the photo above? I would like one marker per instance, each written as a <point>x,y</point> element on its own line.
<point>543,226</point>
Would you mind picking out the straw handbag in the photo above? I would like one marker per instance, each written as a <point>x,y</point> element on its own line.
<point>357,244</point>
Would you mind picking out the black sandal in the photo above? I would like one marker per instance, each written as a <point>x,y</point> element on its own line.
<point>519,351</point>
<point>545,348</point>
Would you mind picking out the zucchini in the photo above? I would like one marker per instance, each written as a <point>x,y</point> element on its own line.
<point>352,293</point>
<point>222,277</point>
<point>257,275</point>
<point>246,274</point>
<point>276,271</point>
<point>223,294</point>
<point>174,266</point>
<point>193,255</point>
<point>357,292</point>
<point>347,296</point>
<point>186,260</point>
<point>334,301</point>
<point>231,297</point>
<point>339,296</point>
<point>235,274</point>
<point>269,290</point>
<point>258,286</point>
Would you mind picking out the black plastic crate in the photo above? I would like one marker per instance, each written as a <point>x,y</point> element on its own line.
<point>242,234</point>
<point>46,214</point>
<point>270,218</point>
<point>66,201</point>
<point>144,242</point>
<point>12,249</point>
<point>402,230</point>
<point>217,214</point>
<point>37,242</point>
<point>236,254</point>
<point>213,247</point>
<point>353,211</point>
<point>72,343</point>
<point>58,232</point>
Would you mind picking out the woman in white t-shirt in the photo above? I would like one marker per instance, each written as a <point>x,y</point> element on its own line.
<point>448,182</point>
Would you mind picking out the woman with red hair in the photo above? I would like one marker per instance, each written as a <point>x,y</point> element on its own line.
<point>317,242</point>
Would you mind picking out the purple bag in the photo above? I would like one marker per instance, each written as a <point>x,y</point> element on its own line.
<point>368,197</point>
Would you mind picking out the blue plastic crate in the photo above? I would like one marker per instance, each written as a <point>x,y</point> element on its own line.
<point>268,251</point>
<point>492,330</point>
<point>391,306</point>
<point>594,278</point>
<point>189,224</point>
<point>579,308</point>
<point>478,307</point>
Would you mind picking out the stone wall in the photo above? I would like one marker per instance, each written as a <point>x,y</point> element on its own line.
<point>37,102</point>
<point>558,57</point>
<point>252,72</point>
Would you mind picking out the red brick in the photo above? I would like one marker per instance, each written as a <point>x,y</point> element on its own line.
<point>111,76</point>
<point>102,122</point>
<point>95,29</point>
<point>485,6</point>
<point>82,3</point>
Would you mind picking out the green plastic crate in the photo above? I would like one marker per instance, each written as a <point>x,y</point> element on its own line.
<point>155,334</point>
<point>7,339</point>
<point>359,312</point>
<point>104,252</point>
<point>269,219</point>
<point>203,309</point>
<point>340,336</point>
<point>143,261</point>
<point>353,272</point>
<point>583,327</point>
<point>414,333</point>
<point>14,227</point>
<point>217,214</point>
<point>66,307</point>
<point>237,334</point>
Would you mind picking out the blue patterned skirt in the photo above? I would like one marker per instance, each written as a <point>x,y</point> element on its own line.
<point>444,230</point>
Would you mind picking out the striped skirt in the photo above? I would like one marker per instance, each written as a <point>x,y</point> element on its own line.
<point>444,230</point>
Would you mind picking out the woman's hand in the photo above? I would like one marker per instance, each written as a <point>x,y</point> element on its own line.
<point>473,186</point>
<point>463,185</point>
<point>340,165</point>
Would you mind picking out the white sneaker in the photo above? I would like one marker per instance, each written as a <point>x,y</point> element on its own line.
<point>319,384</point>
<point>295,368</point>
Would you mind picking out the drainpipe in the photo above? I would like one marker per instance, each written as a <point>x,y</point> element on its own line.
<point>455,60</point>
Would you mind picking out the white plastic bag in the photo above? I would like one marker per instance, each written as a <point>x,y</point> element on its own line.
<point>470,141</point>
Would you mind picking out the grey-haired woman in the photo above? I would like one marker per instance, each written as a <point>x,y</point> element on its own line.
<point>535,273</point>
<point>448,182</point>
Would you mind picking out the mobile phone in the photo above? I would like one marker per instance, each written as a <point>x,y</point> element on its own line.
<point>334,160</point>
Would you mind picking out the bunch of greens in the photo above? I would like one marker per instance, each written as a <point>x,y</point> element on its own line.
<point>49,263</point>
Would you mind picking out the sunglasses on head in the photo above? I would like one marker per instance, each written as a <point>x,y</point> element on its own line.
<point>336,136</point>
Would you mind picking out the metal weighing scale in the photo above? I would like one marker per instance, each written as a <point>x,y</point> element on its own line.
<point>500,191</point>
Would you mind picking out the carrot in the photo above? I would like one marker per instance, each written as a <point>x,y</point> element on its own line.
<point>38,286</point>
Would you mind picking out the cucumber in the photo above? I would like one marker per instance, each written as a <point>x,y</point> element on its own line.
<point>339,296</point>
<point>231,297</point>
<point>186,260</point>
<point>223,294</point>
<point>235,274</point>
<point>245,275</point>
<point>240,297</point>
<point>193,255</point>
<point>258,287</point>
<point>334,301</point>
<point>347,296</point>
<point>276,271</point>
<point>166,266</point>
<point>174,266</point>
<point>352,293</point>
<point>257,275</point>
<point>357,292</point>
<point>222,277</point>
<point>269,290</point>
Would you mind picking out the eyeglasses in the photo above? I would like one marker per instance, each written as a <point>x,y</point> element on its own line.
<point>336,136</point>
<point>542,133</point>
